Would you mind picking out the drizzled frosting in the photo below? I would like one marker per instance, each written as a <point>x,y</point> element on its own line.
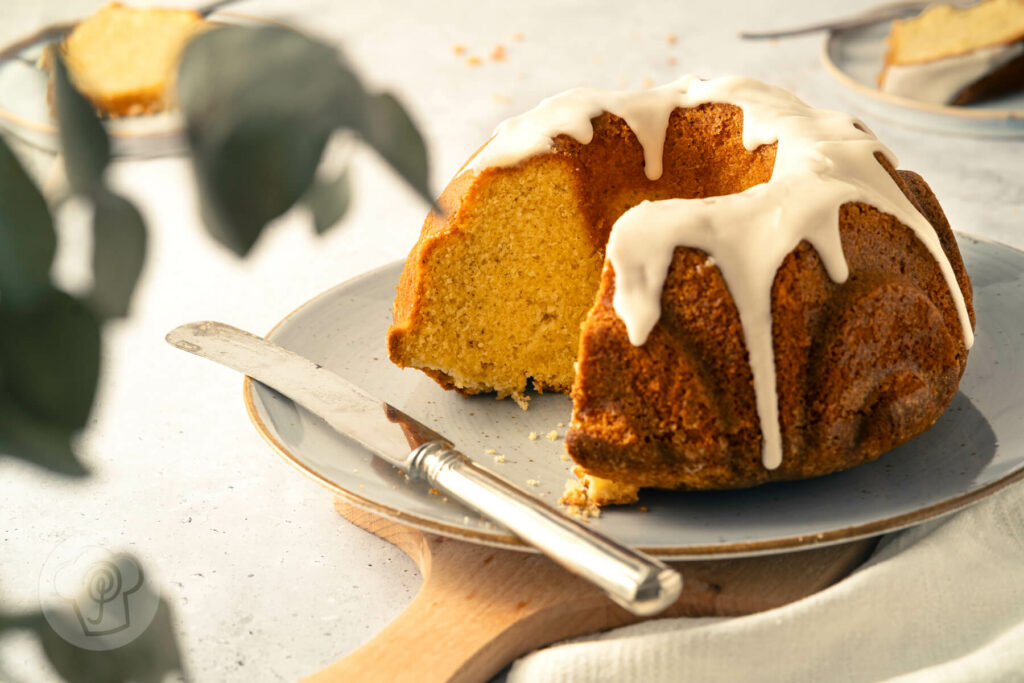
<point>823,160</point>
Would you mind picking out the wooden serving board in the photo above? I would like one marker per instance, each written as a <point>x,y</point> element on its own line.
<point>480,607</point>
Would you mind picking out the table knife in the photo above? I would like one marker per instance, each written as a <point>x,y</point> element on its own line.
<point>641,584</point>
<point>874,15</point>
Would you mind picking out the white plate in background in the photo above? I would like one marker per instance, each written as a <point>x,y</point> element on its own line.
<point>25,111</point>
<point>855,57</point>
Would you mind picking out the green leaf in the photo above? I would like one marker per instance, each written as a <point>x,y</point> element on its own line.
<point>50,359</point>
<point>258,111</point>
<point>82,138</point>
<point>27,238</point>
<point>148,658</point>
<point>43,443</point>
<point>390,131</point>
<point>119,250</point>
<point>328,200</point>
<point>28,620</point>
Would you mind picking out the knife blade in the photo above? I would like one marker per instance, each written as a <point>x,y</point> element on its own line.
<point>639,583</point>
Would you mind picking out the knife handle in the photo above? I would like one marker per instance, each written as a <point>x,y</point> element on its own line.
<point>641,584</point>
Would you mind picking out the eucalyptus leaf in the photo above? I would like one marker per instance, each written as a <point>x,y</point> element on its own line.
<point>29,620</point>
<point>147,659</point>
<point>389,130</point>
<point>259,105</point>
<point>328,200</point>
<point>43,443</point>
<point>119,250</point>
<point>50,359</point>
<point>27,238</point>
<point>82,137</point>
<point>258,111</point>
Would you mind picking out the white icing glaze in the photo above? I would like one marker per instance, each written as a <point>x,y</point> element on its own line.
<point>822,161</point>
<point>940,80</point>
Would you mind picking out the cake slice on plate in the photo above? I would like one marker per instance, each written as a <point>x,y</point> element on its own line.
<point>956,56</point>
<point>123,59</point>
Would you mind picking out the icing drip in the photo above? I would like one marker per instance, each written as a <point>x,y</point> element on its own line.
<point>941,80</point>
<point>822,161</point>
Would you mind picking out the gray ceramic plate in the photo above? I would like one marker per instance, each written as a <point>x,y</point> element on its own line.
<point>855,59</point>
<point>976,448</point>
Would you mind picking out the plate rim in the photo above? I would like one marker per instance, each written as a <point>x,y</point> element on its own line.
<point>961,113</point>
<point>691,552</point>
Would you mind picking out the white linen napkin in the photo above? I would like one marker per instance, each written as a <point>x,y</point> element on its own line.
<point>943,601</point>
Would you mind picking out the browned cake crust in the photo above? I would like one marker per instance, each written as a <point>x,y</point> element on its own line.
<point>863,366</point>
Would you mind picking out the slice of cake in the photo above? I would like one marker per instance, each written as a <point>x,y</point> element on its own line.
<point>956,56</point>
<point>123,59</point>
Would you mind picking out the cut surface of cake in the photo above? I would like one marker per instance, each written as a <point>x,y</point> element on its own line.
<point>123,59</point>
<point>738,287</point>
<point>948,55</point>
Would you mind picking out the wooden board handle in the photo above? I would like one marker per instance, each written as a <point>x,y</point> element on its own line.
<point>481,607</point>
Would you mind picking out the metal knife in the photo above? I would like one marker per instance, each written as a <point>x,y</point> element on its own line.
<point>641,584</point>
<point>874,15</point>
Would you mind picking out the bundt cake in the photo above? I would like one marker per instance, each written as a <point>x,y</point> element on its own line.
<point>956,55</point>
<point>737,288</point>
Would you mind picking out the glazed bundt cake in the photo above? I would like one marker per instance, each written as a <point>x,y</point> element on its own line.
<point>737,288</point>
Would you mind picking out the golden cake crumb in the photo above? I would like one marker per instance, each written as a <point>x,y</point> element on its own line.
<point>498,53</point>
<point>474,61</point>
<point>552,435</point>
<point>499,459</point>
<point>533,436</point>
<point>598,491</point>
<point>459,49</point>
<point>565,457</point>
<point>489,451</point>
<point>434,492</point>
<point>533,482</point>
<point>576,502</point>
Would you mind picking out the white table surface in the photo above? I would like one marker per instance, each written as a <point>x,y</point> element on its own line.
<point>266,581</point>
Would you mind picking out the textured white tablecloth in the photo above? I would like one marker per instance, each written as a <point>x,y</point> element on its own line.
<point>266,582</point>
<point>940,602</point>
